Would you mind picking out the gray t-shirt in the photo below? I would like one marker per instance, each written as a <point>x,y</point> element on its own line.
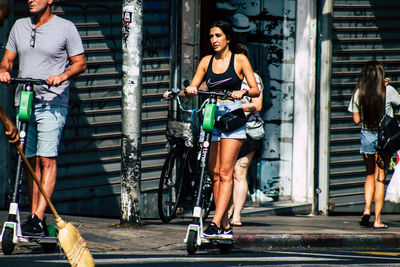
<point>54,43</point>
<point>392,99</point>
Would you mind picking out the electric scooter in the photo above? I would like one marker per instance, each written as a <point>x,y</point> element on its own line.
<point>11,233</point>
<point>194,235</point>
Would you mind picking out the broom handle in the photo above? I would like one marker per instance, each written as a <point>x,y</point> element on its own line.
<point>31,172</point>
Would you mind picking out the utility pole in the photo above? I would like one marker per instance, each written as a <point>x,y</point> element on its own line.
<point>131,111</point>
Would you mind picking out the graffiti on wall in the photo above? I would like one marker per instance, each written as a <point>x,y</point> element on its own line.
<point>267,28</point>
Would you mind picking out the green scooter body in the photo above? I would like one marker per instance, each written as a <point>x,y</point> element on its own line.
<point>210,111</point>
<point>25,106</point>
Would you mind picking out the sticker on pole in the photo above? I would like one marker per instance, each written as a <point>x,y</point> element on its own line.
<point>128,11</point>
<point>127,17</point>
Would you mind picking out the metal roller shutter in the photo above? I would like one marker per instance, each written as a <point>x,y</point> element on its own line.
<point>88,181</point>
<point>362,31</point>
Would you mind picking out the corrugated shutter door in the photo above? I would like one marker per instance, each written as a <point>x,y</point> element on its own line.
<point>156,80</point>
<point>88,181</point>
<point>362,31</point>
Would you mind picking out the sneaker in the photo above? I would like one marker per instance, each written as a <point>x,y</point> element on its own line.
<point>33,226</point>
<point>227,233</point>
<point>212,231</point>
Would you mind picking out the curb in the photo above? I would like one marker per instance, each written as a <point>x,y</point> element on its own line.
<point>318,240</point>
<point>278,209</point>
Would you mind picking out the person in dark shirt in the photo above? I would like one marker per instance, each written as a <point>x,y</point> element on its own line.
<point>224,70</point>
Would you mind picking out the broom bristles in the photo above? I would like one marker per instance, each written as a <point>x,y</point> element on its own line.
<point>74,245</point>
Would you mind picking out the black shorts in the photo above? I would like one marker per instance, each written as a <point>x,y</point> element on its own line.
<point>250,145</point>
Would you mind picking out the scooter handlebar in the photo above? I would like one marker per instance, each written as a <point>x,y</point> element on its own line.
<point>28,80</point>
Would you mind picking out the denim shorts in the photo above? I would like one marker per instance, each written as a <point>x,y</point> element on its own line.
<point>369,141</point>
<point>224,107</point>
<point>44,131</point>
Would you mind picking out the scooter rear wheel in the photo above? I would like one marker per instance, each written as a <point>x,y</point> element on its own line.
<point>48,247</point>
<point>191,243</point>
<point>7,242</point>
<point>224,248</point>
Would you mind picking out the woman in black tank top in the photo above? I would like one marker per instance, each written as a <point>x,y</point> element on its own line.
<point>224,70</point>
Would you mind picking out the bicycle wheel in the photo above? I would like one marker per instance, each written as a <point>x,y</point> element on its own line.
<point>207,200</point>
<point>170,186</point>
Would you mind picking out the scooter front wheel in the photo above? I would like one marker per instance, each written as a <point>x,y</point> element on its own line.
<point>7,242</point>
<point>191,243</point>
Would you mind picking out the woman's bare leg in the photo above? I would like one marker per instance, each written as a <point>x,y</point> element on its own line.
<point>369,186</point>
<point>240,186</point>
<point>225,158</point>
<point>380,175</point>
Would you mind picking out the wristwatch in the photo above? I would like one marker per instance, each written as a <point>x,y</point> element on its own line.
<point>246,90</point>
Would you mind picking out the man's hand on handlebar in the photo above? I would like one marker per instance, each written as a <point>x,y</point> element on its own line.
<point>5,77</point>
<point>56,80</point>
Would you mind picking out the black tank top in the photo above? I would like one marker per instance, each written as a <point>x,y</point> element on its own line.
<point>227,81</point>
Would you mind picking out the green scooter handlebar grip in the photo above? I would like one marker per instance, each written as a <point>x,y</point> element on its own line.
<point>210,111</point>
<point>25,106</point>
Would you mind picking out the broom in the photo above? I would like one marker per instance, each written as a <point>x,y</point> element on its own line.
<point>72,243</point>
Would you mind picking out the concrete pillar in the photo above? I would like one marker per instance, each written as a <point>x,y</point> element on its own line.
<point>304,102</point>
<point>324,107</point>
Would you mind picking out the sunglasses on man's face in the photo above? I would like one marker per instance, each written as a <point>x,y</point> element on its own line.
<point>33,37</point>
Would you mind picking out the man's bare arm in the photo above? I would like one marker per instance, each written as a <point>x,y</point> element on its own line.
<point>78,65</point>
<point>6,66</point>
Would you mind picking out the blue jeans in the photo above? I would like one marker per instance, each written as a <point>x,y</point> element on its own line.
<point>224,107</point>
<point>44,131</point>
<point>369,141</point>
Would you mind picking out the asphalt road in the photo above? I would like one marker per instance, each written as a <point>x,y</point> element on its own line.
<point>301,257</point>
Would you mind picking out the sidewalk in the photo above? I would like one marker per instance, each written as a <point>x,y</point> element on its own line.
<point>262,232</point>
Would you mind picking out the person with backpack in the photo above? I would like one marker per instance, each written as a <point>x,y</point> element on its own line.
<point>372,98</point>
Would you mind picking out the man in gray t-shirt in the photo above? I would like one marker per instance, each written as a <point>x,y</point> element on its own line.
<point>48,47</point>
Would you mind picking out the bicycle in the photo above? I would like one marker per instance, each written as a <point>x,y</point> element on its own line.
<point>11,233</point>
<point>180,165</point>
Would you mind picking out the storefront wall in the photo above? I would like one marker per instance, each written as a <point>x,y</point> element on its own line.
<point>268,28</point>
<point>361,30</point>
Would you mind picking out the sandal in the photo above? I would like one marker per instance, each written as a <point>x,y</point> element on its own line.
<point>236,223</point>
<point>383,227</point>
<point>365,220</point>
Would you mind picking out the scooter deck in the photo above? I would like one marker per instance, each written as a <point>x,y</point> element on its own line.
<point>216,240</point>
<point>40,239</point>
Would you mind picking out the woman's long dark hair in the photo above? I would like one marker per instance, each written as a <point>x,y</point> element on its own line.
<point>227,29</point>
<point>372,94</point>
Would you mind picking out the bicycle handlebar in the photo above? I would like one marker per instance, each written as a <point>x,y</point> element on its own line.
<point>175,92</point>
<point>28,80</point>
